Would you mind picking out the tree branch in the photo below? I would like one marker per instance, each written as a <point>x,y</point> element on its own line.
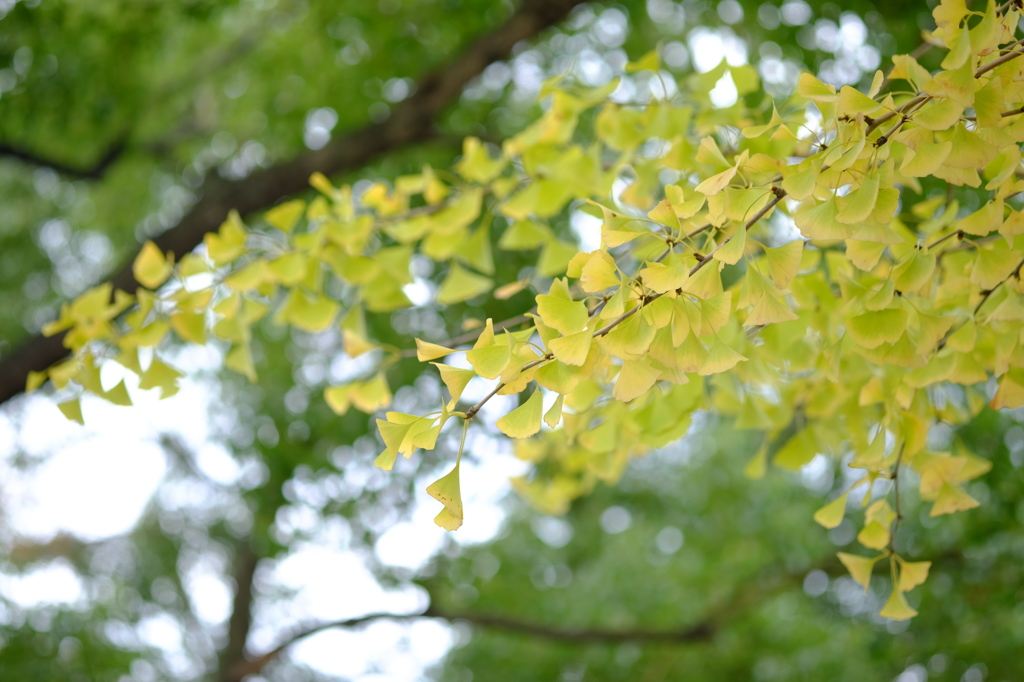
<point>412,121</point>
<point>699,632</point>
<point>94,172</point>
<point>240,622</point>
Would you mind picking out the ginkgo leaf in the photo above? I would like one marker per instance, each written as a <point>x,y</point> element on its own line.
<point>797,451</point>
<point>768,310</point>
<point>489,361</point>
<point>312,313</point>
<point>856,206</point>
<point>72,410</point>
<point>986,219</point>
<point>784,262</point>
<point>635,378</point>
<point>874,535</point>
<point>370,396</point>
<point>912,574</point>
<point>821,221</point>
<point>897,607</point>
<point>952,498</point>
<point>599,272</point>
<point>160,375</point>
<point>507,291</point>
<point>228,243</point>
<point>939,114</point>
<point>524,234</point>
<point>524,421</point>
<point>337,398</point>
<point>663,277</point>
<point>447,490</point>
<point>476,251</point>
<point>860,567</point>
<point>716,183</point>
<point>721,358</point>
<point>1009,394</point>
<point>285,216</point>
<point>554,413</point>
<point>567,316</point>
<point>426,351</point>
<point>874,328</point>
<point>559,377</point>
<point>462,285</point>
<point>731,250</point>
<point>118,395</point>
<point>831,515</point>
<point>239,358</point>
<point>151,268</point>
<point>190,327</point>
<point>572,349</point>
<point>455,379</point>
<point>993,266</point>
<point>758,464</point>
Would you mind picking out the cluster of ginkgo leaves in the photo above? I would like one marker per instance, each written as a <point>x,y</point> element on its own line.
<point>840,278</point>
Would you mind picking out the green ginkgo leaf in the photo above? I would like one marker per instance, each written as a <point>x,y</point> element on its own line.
<point>462,285</point>
<point>565,315</point>
<point>447,490</point>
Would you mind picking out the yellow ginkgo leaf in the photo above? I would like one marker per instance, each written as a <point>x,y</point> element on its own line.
<point>490,361</point>
<point>572,349</point>
<point>565,315</point>
<point>151,268</point>
<point>456,379</point>
<point>426,351</point>
<point>831,515</point>
<point>309,312</point>
<point>554,413</point>
<point>860,567</point>
<point>447,491</point>
<point>897,607</point>
<point>337,398</point>
<point>721,358</point>
<point>784,262</point>
<point>912,574</point>
<point>228,243</point>
<point>524,421</point>
<point>370,396</point>
<point>952,498</point>
<point>769,310</point>
<point>731,250</point>
<point>635,378</point>
<point>664,277</point>
<point>285,216</point>
<point>874,535</point>
<point>599,272</point>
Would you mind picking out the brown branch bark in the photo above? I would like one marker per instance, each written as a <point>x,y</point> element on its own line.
<point>699,632</point>
<point>240,621</point>
<point>411,121</point>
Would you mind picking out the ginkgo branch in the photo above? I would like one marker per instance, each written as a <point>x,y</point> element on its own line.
<point>984,298</point>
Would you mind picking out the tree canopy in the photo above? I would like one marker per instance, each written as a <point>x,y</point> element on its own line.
<point>682,272</point>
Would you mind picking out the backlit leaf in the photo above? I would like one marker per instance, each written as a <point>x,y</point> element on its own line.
<point>524,421</point>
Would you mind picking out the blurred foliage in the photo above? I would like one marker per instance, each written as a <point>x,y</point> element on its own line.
<point>190,89</point>
<point>687,540</point>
